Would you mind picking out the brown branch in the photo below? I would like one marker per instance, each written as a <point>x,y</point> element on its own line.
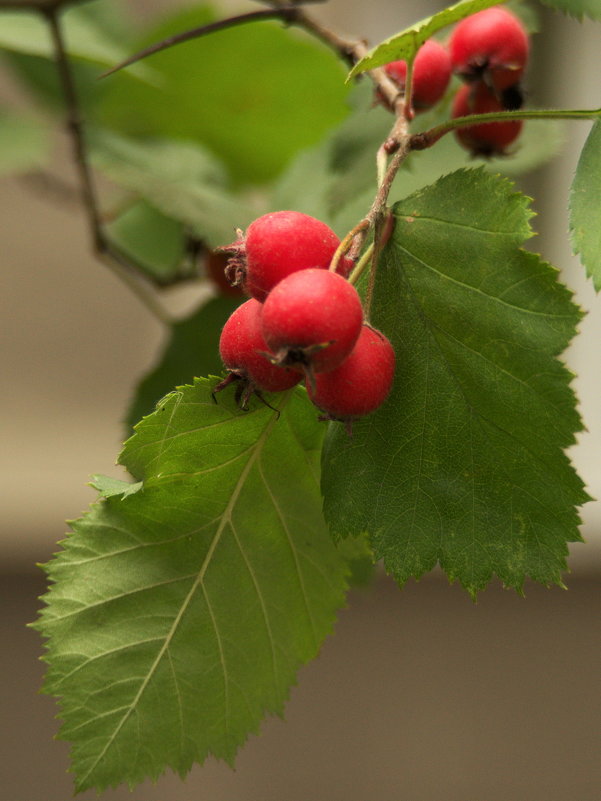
<point>105,251</point>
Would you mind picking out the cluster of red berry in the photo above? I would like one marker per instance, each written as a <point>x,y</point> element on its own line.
<point>489,51</point>
<point>303,320</point>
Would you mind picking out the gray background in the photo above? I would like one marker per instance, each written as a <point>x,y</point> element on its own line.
<point>420,695</point>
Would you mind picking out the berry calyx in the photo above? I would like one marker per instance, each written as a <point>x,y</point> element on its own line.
<point>486,138</point>
<point>361,383</point>
<point>242,348</point>
<point>278,244</point>
<point>215,266</point>
<point>311,320</point>
<point>431,74</point>
<point>491,45</point>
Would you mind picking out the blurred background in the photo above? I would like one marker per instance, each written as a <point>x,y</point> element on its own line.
<point>420,694</point>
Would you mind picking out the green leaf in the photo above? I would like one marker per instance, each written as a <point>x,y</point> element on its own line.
<point>464,464</point>
<point>24,142</point>
<point>191,350</point>
<point>404,45</point>
<point>577,8</point>
<point>28,33</point>
<point>108,487</point>
<point>180,179</point>
<point>254,95</point>
<point>585,206</point>
<point>179,615</point>
<point>154,241</point>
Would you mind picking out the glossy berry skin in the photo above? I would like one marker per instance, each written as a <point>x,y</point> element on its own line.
<point>431,74</point>
<point>486,139</point>
<point>278,244</point>
<point>491,45</point>
<point>361,383</point>
<point>311,320</point>
<point>242,348</point>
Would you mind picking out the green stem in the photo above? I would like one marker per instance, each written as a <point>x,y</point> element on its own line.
<point>421,141</point>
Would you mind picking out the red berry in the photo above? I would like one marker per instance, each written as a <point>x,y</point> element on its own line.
<point>491,45</point>
<point>243,348</point>
<point>215,264</point>
<point>278,244</point>
<point>431,74</point>
<point>311,320</point>
<point>487,138</point>
<point>361,383</point>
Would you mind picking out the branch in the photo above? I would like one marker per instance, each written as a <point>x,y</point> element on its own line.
<point>111,256</point>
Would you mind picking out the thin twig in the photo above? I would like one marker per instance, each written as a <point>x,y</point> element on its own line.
<point>287,14</point>
<point>108,254</point>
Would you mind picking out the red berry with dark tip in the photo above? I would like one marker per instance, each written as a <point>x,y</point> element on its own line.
<point>243,351</point>
<point>487,138</point>
<point>311,320</point>
<point>278,244</point>
<point>491,45</point>
<point>361,383</point>
<point>431,74</point>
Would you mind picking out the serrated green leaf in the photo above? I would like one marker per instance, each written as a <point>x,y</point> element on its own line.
<point>181,179</point>
<point>24,142</point>
<point>178,616</point>
<point>464,464</point>
<point>153,240</point>
<point>27,33</point>
<point>254,95</point>
<point>404,45</point>
<point>577,8</point>
<point>585,206</point>
<point>192,349</point>
<point>108,487</point>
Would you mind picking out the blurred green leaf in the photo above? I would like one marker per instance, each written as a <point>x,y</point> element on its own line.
<point>24,142</point>
<point>577,8</point>
<point>182,180</point>
<point>154,241</point>
<point>28,33</point>
<point>39,74</point>
<point>255,95</point>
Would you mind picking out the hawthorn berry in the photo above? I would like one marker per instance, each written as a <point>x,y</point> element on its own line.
<point>311,320</point>
<point>278,244</point>
<point>215,266</point>
<point>491,45</point>
<point>487,138</point>
<point>361,383</point>
<point>431,74</point>
<point>243,351</point>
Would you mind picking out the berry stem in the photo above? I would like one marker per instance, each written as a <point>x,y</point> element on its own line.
<point>346,244</point>
<point>359,268</point>
<point>425,139</point>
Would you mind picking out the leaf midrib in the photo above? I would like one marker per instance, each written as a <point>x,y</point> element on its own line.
<point>199,581</point>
